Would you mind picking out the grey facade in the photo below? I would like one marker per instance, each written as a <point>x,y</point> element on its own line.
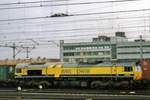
<point>105,48</point>
<point>84,52</point>
<point>133,50</point>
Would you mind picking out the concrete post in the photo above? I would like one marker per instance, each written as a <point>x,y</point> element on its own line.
<point>141,48</point>
<point>61,50</point>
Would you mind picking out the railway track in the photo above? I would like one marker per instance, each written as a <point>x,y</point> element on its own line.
<point>73,94</point>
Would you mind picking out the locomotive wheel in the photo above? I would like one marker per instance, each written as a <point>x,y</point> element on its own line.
<point>95,84</point>
<point>32,84</point>
<point>20,83</point>
<point>100,84</point>
<point>64,84</point>
<point>104,84</point>
<point>3,84</point>
<point>124,84</point>
<point>45,84</point>
<point>83,84</point>
<point>75,84</point>
<point>116,84</point>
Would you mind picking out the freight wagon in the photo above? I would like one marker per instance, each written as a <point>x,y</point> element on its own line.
<point>145,65</point>
<point>7,76</point>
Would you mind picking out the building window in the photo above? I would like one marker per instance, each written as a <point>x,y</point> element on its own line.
<point>100,47</point>
<point>100,53</point>
<point>68,54</point>
<point>106,47</point>
<point>65,54</point>
<point>65,48</point>
<point>128,69</point>
<point>77,48</point>
<point>77,54</point>
<point>106,53</point>
<point>95,53</point>
<point>69,48</point>
<point>66,60</point>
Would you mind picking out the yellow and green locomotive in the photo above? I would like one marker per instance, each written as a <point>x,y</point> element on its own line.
<point>93,75</point>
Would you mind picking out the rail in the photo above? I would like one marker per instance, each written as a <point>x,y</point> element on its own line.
<point>74,95</point>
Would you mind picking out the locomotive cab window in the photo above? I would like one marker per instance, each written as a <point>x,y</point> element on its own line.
<point>128,69</point>
<point>18,70</point>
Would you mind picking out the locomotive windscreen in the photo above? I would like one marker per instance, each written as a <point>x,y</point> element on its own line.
<point>34,72</point>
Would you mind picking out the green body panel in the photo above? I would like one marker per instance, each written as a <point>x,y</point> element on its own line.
<point>6,73</point>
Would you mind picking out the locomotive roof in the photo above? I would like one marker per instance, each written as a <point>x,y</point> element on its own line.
<point>31,66</point>
<point>106,64</point>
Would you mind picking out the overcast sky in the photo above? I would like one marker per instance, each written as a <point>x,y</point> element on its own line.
<point>33,31</point>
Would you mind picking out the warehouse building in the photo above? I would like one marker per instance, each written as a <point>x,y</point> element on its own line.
<point>105,48</point>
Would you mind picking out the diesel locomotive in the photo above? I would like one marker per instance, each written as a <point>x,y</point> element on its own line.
<point>97,75</point>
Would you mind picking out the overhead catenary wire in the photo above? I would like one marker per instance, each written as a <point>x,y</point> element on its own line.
<point>76,20</point>
<point>72,12</point>
<point>76,29</point>
<point>50,5</point>
<point>46,39</point>
<point>83,14</point>
<point>111,12</point>
<point>71,37</point>
<point>80,35</point>
<point>61,32</point>
<point>62,37</point>
<point>132,19</point>
<point>30,2</point>
<point>60,25</point>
